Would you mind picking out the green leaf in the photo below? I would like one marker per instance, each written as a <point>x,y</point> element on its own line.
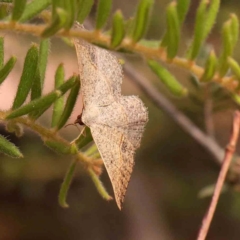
<point>210,68</point>
<point>59,76</point>
<point>182,9</point>
<point>92,152</point>
<point>173,30</point>
<point>29,71</point>
<point>59,103</point>
<point>33,9</point>
<point>9,148</point>
<point>118,31</point>
<point>38,104</point>
<point>199,32</point>
<point>63,89</point>
<point>96,155</point>
<point>43,58</point>
<point>68,42</point>
<point>7,68</point>
<point>70,8</point>
<point>84,138</point>
<point>234,66</point>
<point>84,9</point>
<point>167,79</point>
<point>205,21</point>
<point>36,90</point>
<point>1,52</point>
<point>211,16</point>
<point>18,8</point>
<point>57,23</point>
<point>68,84</point>
<point>66,184</point>
<point>59,147</point>
<point>141,19</point>
<point>234,29</point>
<point>38,112</point>
<point>227,48</point>
<point>55,5</point>
<point>69,105</point>
<point>103,11</point>
<point>98,184</point>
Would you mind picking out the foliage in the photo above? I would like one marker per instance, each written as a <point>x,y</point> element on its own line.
<point>58,17</point>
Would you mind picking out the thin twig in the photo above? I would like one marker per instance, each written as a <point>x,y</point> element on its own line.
<point>49,134</point>
<point>230,149</point>
<point>177,116</point>
<point>229,82</point>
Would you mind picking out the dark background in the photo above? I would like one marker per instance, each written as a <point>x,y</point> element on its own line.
<point>171,168</point>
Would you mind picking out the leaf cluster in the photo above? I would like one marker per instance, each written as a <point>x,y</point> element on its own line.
<point>58,18</point>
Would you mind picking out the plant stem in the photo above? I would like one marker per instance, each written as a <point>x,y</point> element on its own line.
<point>230,149</point>
<point>49,134</point>
<point>229,83</point>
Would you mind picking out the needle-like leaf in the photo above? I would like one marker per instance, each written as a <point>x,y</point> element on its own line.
<point>66,184</point>
<point>167,79</point>
<point>71,100</point>
<point>118,31</point>
<point>210,68</point>
<point>141,19</point>
<point>59,103</point>
<point>28,74</point>
<point>9,148</point>
<point>18,8</point>
<point>84,9</point>
<point>7,68</point>
<point>103,11</point>
<point>34,8</point>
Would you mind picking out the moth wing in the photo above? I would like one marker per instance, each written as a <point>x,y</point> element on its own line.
<point>137,116</point>
<point>118,157</point>
<point>100,74</point>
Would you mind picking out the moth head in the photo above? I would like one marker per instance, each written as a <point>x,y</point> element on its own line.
<point>79,120</point>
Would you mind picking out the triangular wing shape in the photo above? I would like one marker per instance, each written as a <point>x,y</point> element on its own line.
<point>118,156</point>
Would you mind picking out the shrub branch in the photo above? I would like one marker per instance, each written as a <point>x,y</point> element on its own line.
<point>97,37</point>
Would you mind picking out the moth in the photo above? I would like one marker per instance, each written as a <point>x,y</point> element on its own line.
<point>116,122</point>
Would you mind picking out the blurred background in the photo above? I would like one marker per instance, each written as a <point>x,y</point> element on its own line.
<point>171,168</point>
